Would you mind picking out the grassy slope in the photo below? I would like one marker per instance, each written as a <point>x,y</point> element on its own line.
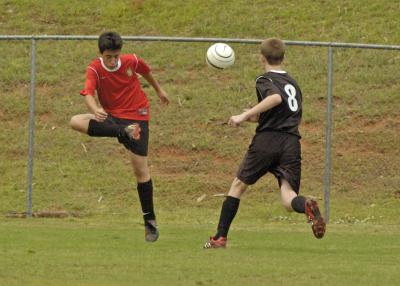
<point>347,21</point>
<point>199,156</point>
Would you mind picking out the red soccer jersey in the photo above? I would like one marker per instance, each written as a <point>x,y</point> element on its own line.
<point>119,90</point>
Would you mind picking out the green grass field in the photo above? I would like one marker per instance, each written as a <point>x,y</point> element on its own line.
<point>112,252</point>
<point>192,155</point>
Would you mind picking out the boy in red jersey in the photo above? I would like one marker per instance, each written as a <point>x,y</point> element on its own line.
<point>122,112</point>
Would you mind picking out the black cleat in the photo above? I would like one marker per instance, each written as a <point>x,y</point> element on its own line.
<point>150,231</point>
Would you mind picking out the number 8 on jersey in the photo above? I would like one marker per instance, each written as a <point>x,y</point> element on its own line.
<point>291,92</point>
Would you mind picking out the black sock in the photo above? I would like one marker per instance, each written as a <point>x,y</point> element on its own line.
<point>145,191</point>
<point>102,129</point>
<point>228,212</point>
<point>299,204</point>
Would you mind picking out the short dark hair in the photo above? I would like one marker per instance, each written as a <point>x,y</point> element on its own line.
<point>110,41</point>
<point>273,49</point>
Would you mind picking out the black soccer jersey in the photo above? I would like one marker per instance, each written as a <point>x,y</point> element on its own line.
<point>285,117</point>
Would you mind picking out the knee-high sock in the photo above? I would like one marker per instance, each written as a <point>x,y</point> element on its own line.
<point>299,204</point>
<point>145,191</point>
<point>228,212</point>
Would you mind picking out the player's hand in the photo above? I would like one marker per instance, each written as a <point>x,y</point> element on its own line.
<point>163,97</point>
<point>100,114</point>
<point>237,119</point>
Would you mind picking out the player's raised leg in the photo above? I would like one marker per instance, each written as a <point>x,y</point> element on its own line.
<point>80,122</point>
<point>293,202</point>
<point>88,124</point>
<point>228,212</point>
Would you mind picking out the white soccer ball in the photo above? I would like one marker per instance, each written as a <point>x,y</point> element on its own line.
<point>220,56</point>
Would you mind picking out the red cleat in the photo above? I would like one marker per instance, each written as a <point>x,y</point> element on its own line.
<point>215,243</point>
<point>314,217</point>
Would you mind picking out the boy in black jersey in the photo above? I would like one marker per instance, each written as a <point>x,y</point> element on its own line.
<point>275,147</point>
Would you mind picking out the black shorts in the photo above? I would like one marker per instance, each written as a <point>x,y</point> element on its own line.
<point>275,152</point>
<point>138,147</point>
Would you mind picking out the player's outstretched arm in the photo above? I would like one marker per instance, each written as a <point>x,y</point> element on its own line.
<point>266,104</point>
<point>162,95</point>
<point>253,118</point>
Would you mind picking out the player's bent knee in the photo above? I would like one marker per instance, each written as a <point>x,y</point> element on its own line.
<point>237,188</point>
<point>78,123</point>
<point>74,122</point>
<point>237,183</point>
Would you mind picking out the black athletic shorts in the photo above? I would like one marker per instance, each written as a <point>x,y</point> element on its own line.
<point>276,152</point>
<point>138,147</point>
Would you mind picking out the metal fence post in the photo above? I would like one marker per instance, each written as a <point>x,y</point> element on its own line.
<point>31,127</point>
<point>328,136</point>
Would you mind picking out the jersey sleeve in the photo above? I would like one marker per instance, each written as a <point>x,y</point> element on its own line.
<point>265,87</point>
<point>142,67</point>
<point>90,83</point>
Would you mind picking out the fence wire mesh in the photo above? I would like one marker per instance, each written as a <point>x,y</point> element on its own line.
<point>189,145</point>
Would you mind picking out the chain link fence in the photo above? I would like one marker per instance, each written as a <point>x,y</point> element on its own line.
<point>45,165</point>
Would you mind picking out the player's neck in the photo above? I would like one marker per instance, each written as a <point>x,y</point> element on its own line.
<point>268,68</point>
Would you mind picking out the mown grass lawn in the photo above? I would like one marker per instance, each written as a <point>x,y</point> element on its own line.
<point>113,252</point>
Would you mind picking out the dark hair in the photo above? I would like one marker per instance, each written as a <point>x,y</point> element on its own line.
<point>273,49</point>
<point>110,41</point>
